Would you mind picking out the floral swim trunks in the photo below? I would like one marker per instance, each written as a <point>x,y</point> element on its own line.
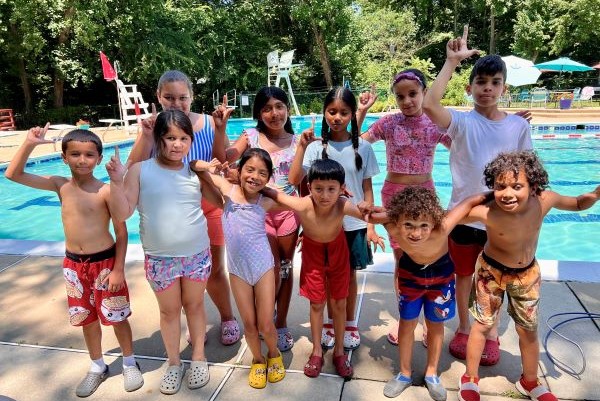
<point>162,271</point>
<point>522,287</point>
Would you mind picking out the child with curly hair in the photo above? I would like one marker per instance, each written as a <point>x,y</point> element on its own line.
<point>508,265</point>
<point>424,274</point>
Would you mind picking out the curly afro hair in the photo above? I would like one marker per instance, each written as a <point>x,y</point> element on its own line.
<point>415,203</point>
<point>507,162</point>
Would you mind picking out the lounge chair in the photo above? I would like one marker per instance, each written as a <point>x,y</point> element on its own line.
<point>539,96</point>
<point>587,93</point>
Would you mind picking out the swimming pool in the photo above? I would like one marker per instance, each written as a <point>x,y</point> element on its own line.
<point>573,166</point>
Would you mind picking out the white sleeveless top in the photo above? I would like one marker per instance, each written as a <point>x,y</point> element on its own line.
<point>171,219</point>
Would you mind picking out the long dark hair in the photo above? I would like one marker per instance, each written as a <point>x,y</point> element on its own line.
<point>262,97</point>
<point>164,121</point>
<point>346,96</point>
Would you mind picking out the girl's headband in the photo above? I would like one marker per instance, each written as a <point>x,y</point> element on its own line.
<point>407,75</point>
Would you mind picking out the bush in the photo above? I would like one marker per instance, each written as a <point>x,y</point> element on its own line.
<point>66,115</point>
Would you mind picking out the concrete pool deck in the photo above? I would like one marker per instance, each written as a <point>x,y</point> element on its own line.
<point>43,358</point>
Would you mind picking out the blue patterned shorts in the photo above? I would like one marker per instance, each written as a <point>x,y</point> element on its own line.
<point>162,271</point>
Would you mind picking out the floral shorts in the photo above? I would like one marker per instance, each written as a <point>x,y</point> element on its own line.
<point>162,271</point>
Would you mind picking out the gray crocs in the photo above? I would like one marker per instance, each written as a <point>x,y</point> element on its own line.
<point>132,377</point>
<point>198,375</point>
<point>90,383</point>
<point>394,387</point>
<point>171,380</point>
<point>285,341</point>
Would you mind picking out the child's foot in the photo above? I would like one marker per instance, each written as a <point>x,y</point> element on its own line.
<point>343,367</point>
<point>435,388</point>
<point>275,369</point>
<point>395,386</point>
<point>132,377</point>
<point>468,388</point>
<point>312,368</point>
<point>351,337</point>
<point>392,336</point>
<point>258,375</point>
<point>327,336</point>
<point>90,383</point>
<point>285,341</point>
<point>535,390</point>
<point>198,374</point>
<point>171,380</point>
<point>230,332</point>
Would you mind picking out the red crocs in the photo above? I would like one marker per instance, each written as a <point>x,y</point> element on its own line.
<point>491,353</point>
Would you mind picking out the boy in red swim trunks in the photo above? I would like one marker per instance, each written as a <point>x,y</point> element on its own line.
<point>507,263</point>
<point>325,258</point>
<point>94,264</point>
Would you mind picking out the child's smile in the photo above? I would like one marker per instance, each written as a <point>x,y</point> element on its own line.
<point>511,193</point>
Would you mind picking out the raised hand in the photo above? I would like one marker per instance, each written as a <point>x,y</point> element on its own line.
<point>222,114</point>
<point>308,135</point>
<point>457,49</point>
<point>367,99</point>
<point>148,124</point>
<point>37,135</point>
<point>115,169</point>
<point>200,165</point>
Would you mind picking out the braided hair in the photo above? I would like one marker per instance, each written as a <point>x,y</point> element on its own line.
<point>346,96</point>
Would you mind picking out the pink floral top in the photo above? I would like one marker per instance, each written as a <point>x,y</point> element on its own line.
<point>282,161</point>
<point>410,142</point>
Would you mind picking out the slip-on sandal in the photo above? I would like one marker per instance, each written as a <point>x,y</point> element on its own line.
<point>198,375</point>
<point>396,385</point>
<point>491,353</point>
<point>171,380</point>
<point>132,377</point>
<point>458,345</point>
<point>351,337</point>
<point>230,332</point>
<point>258,375</point>
<point>327,336</point>
<point>468,388</point>
<point>538,393</point>
<point>275,369</point>
<point>90,383</point>
<point>312,368</point>
<point>285,341</point>
<point>343,366</point>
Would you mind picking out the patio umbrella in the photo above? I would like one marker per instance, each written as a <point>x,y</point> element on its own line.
<point>563,64</point>
<point>520,71</point>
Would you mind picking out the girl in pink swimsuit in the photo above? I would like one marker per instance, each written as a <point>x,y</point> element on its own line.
<point>410,139</point>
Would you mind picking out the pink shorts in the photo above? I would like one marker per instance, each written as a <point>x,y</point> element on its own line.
<point>280,224</point>
<point>389,189</point>
<point>88,297</point>
<point>162,271</point>
<point>215,227</point>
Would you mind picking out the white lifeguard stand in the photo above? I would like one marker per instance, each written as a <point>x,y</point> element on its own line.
<point>128,97</point>
<point>280,67</point>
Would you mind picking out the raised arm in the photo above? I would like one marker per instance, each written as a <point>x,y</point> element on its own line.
<point>456,51</point>
<point>234,152</point>
<point>552,199</point>
<point>16,168</point>
<point>458,214</point>
<point>144,143</point>
<point>221,141</point>
<point>284,201</point>
<point>296,173</point>
<point>124,187</point>
<point>365,101</point>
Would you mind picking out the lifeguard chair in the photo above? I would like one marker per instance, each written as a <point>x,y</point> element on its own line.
<point>280,67</point>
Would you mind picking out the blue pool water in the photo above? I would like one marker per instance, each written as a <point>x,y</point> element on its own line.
<point>573,166</point>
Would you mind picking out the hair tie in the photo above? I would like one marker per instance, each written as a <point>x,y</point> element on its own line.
<point>355,150</point>
<point>407,75</point>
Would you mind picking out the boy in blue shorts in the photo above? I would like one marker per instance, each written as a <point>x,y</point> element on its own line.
<point>425,276</point>
<point>94,264</point>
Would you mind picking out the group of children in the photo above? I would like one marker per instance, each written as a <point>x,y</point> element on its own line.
<point>491,234</point>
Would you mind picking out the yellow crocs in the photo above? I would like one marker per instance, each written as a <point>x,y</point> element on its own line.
<point>275,370</point>
<point>258,375</point>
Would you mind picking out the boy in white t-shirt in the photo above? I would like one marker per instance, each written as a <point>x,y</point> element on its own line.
<point>478,136</point>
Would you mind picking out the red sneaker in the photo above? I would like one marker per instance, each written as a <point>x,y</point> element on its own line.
<point>535,390</point>
<point>468,388</point>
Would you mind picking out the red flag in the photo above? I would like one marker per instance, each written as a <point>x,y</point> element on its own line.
<point>138,112</point>
<point>107,70</point>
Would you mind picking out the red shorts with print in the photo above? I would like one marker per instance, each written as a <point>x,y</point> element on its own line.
<point>325,267</point>
<point>87,296</point>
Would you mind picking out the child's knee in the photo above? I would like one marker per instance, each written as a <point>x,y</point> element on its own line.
<point>317,308</point>
<point>338,304</point>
